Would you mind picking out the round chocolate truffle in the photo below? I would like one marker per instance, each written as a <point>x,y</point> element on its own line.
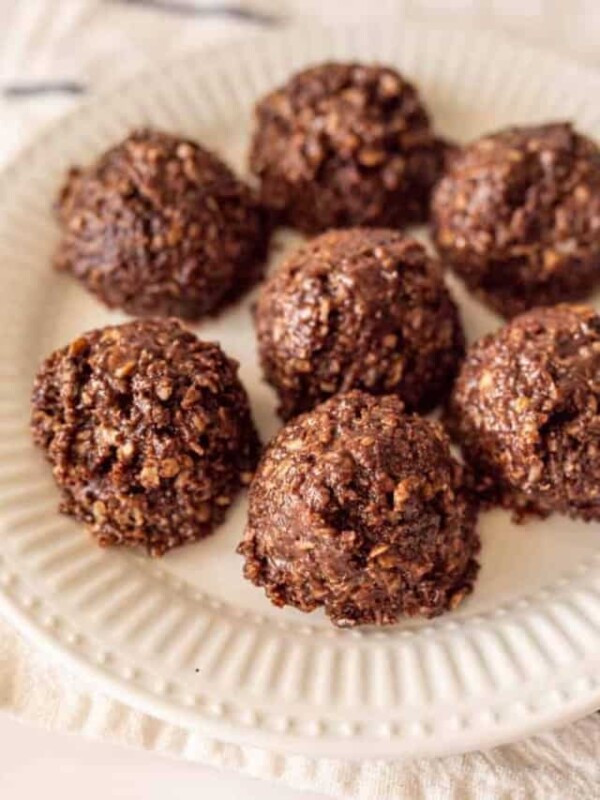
<point>148,430</point>
<point>526,410</point>
<point>518,217</point>
<point>159,225</point>
<point>358,309</point>
<point>360,509</point>
<point>345,144</point>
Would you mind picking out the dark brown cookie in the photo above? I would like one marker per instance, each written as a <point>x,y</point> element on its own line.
<point>148,431</point>
<point>159,225</point>
<point>346,144</point>
<point>358,309</point>
<point>526,410</point>
<point>359,508</point>
<point>518,217</point>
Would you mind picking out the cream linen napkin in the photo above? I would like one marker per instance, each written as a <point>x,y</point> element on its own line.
<point>72,42</point>
<point>556,766</point>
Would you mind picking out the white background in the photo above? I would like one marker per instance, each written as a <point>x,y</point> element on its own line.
<point>35,763</point>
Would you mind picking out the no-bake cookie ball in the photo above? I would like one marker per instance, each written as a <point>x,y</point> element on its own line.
<point>161,226</point>
<point>358,309</point>
<point>518,217</point>
<point>526,411</point>
<point>148,431</point>
<point>346,144</point>
<point>359,508</point>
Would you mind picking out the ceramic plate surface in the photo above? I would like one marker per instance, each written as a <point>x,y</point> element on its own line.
<point>185,637</point>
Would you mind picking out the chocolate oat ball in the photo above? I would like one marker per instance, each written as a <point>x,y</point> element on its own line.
<point>526,410</point>
<point>518,217</point>
<point>360,509</point>
<point>346,144</point>
<point>148,431</point>
<point>159,225</point>
<point>358,309</point>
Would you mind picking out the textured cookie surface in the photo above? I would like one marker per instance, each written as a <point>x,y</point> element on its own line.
<point>160,226</point>
<point>358,309</point>
<point>518,217</point>
<point>359,508</point>
<point>148,431</point>
<point>346,144</point>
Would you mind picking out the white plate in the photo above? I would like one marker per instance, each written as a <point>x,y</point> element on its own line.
<point>185,637</point>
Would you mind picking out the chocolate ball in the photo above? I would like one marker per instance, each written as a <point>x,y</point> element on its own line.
<point>518,217</point>
<point>148,431</point>
<point>526,409</point>
<point>359,508</point>
<point>345,144</point>
<point>159,225</point>
<point>358,309</point>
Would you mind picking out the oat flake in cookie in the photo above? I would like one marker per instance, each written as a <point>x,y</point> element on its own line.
<point>161,226</point>
<point>359,508</point>
<point>346,144</point>
<point>526,411</point>
<point>148,431</point>
<point>358,309</point>
<point>518,217</point>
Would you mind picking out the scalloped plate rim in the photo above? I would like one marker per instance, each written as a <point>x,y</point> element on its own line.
<point>144,699</point>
